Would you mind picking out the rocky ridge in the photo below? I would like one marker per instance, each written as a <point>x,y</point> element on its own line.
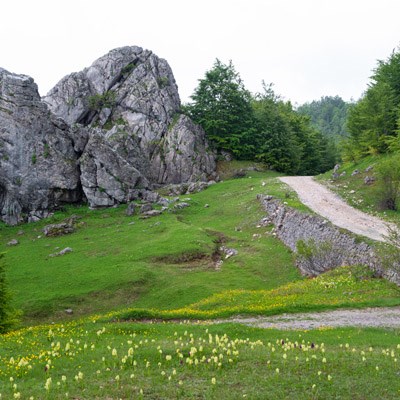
<point>108,134</point>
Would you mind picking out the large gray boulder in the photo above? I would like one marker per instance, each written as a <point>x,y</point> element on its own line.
<point>38,164</point>
<point>131,97</point>
<point>108,134</point>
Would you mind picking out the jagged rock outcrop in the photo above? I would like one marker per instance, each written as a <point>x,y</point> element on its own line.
<point>38,164</point>
<point>131,98</point>
<point>108,134</point>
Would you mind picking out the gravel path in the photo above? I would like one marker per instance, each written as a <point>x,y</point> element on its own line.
<point>332,207</point>
<point>367,317</point>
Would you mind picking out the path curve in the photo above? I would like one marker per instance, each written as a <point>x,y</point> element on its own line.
<point>329,205</point>
<point>379,317</point>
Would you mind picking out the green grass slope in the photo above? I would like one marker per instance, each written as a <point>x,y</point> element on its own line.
<point>125,267</point>
<point>164,262</point>
<point>164,267</point>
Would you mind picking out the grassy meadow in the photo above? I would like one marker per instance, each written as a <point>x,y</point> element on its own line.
<point>144,293</point>
<point>193,361</point>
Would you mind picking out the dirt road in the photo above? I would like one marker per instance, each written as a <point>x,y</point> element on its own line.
<point>367,317</point>
<point>326,203</point>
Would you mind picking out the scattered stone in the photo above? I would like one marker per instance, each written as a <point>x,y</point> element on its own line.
<point>256,236</point>
<point>355,172</point>
<point>181,205</point>
<point>206,205</point>
<point>196,187</point>
<point>73,219</point>
<point>343,173</point>
<point>151,197</point>
<point>190,188</point>
<point>130,209</point>
<point>62,252</point>
<point>151,213</point>
<point>369,168</point>
<point>163,202</point>
<point>335,173</point>
<point>226,155</point>
<point>20,233</point>
<point>228,252</point>
<point>145,208</point>
<point>69,311</point>
<point>264,222</point>
<point>58,229</point>
<point>369,180</point>
<point>352,191</point>
<point>13,242</point>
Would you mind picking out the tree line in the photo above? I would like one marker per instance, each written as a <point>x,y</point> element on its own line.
<point>374,121</point>
<point>261,127</point>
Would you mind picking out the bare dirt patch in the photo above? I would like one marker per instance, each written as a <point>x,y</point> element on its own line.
<point>330,206</point>
<point>379,317</point>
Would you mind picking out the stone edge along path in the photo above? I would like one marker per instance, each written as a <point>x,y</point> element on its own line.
<point>330,206</point>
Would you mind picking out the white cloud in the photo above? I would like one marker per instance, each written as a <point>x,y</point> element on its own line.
<point>308,48</point>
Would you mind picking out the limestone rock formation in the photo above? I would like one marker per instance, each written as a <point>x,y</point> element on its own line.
<point>38,164</point>
<point>129,100</point>
<point>108,134</point>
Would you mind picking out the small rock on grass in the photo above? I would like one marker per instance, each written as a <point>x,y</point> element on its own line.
<point>13,242</point>
<point>130,209</point>
<point>62,252</point>
<point>181,205</point>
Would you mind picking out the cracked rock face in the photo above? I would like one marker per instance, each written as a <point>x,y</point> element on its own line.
<point>38,164</point>
<point>131,98</point>
<point>108,134</point>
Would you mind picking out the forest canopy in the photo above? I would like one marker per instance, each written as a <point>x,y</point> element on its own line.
<point>374,121</point>
<point>260,127</point>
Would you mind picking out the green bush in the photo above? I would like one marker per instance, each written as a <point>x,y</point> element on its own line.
<point>99,101</point>
<point>389,183</point>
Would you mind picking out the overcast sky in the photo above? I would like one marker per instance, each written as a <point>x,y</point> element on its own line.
<point>307,48</point>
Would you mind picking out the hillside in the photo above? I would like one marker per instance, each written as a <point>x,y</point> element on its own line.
<point>168,267</point>
<point>144,258</point>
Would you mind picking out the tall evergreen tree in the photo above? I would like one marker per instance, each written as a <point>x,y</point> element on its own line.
<point>373,122</point>
<point>222,106</point>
